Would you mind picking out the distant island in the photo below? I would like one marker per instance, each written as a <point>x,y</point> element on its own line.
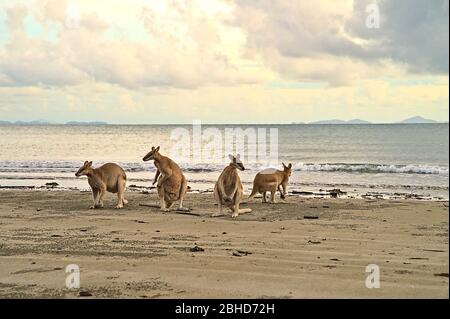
<point>35,122</point>
<point>418,120</point>
<point>411,120</point>
<point>40,122</point>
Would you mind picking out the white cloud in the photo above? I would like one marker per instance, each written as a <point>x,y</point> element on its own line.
<point>187,53</point>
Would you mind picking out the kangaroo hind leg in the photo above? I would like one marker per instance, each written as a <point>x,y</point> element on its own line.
<point>121,185</point>
<point>183,191</point>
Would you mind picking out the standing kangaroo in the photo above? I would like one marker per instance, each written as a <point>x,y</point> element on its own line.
<point>228,190</point>
<point>172,185</point>
<point>109,177</point>
<point>271,180</point>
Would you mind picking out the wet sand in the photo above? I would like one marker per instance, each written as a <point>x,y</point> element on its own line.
<point>274,252</point>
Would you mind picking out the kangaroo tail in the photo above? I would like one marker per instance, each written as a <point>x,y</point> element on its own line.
<point>183,187</point>
<point>245,210</point>
<point>254,192</point>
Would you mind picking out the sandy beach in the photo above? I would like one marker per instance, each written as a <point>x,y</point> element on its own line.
<point>274,252</point>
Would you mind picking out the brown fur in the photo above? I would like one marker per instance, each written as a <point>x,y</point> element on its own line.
<point>228,190</point>
<point>109,177</point>
<point>172,185</point>
<point>278,180</point>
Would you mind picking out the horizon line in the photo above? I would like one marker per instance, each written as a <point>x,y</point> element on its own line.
<point>93,123</point>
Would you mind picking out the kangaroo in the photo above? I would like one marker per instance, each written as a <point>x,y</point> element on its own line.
<point>228,190</point>
<point>172,185</point>
<point>271,180</point>
<point>109,177</point>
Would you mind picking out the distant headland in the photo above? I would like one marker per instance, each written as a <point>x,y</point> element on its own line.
<point>411,120</point>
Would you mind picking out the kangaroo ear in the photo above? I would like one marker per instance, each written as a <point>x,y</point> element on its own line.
<point>231,157</point>
<point>283,165</point>
<point>85,163</point>
<point>90,164</point>
<point>290,166</point>
<point>157,149</point>
<point>238,156</point>
<point>153,148</point>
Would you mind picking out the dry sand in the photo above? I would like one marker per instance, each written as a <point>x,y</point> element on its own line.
<point>140,252</point>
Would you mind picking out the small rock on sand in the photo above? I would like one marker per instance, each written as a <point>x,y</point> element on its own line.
<point>52,184</point>
<point>196,249</point>
<point>85,294</point>
<point>241,253</point>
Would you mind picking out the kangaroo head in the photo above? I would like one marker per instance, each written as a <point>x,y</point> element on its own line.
<point>236,162</point>
<point>151,155</point>
<point>287,169</point>
<point>85,169</point>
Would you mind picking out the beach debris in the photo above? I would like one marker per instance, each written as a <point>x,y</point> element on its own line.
<point>186,212</point>
<point>241,253</point>
<point>141,187</point>
<point>196,249</point>
<point>418,258</point>
<point>442,274</point>
<point>38,209</point>
<point>224,233</point>
<point>329,266</point>
<point>314,242</point>
<point>310,217</point>
<point>294,192</point>
<point>56,236</point>
<point>335,259</point>
<point>335,193</point>
<point>434,250</point>
<point>52,184</point>
<point>140,221</point>
<point>403,272</point>
<point>16,187</point>
<point>84,293</point>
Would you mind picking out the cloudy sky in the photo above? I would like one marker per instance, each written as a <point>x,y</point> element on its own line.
<point>223,61</point>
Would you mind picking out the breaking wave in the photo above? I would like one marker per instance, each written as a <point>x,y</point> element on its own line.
<point>70,166</point>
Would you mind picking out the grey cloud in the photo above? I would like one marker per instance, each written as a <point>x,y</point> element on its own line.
<point>413,32</point>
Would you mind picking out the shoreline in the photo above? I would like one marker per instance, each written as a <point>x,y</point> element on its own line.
<point>317,192</point>
<point>298,248</point>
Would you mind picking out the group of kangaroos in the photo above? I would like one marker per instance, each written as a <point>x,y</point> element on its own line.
<point>172,185</point>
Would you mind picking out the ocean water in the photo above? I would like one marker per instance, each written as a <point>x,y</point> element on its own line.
<point>390,160</point>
